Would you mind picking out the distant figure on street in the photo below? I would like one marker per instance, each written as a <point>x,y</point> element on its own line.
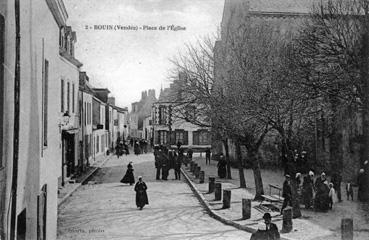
<point>321,201</point>
<point>222,167</point>
<point>136,148</point>
<point>286,192</point>
<point>189,154</point>
<point>207,156</point>
<point>308,190</point>
<point>141,195</point>
<point>361,185</point>
<point>129,177</point>
<point>158,161</point>
<point>298,179</point>
<point>336,180</point>
<point>178,164</point>
<point>164,163</point>
<point>349,191</point>
<point>332,195</point>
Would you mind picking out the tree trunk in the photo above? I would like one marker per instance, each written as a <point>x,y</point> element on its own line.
<point>259,189</point>
<point>364,75</point>
<point>295,201</point>
<point>226,148</point>
<point>335,154</point>
<point>240,165</point>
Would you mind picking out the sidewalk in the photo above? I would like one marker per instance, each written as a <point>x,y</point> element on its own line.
<point>65,192</point>
<point>312,225</point>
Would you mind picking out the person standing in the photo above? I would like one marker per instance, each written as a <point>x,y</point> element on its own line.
<point>286,192</point>
<point>222,170</point>
<point>361,185</point>
<point>332,195</point>
<point>189,154</point>
<point>271,229</point>
<point>129,177</point>
<point>336,180</point>
<point>349,191</point>
<point>207,156</point>
<point>178,165</point>
<point>141,194</point>
<point>308,189</point>
<point>158,161</point>
<point>321,201</point>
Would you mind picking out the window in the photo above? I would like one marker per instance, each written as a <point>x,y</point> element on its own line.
<point>45,83</point>
<point>201,137</point>
<point>179,136</point>
<point>68,97</point>
<point>2,40</point>
<point>73,103</point>
<point>162,115</point>
<point>163,137</point>
<point>62,96</point>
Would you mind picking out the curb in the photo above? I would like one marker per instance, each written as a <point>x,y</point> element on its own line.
<point>82,181</point>
<point>213,214</point>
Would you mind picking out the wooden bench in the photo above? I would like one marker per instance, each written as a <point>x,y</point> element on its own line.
<point>273,199</point>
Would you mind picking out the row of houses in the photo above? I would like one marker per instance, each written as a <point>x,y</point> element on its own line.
<point>54,124</point>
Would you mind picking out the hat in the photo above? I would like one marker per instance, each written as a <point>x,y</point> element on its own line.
<point>267,216</point>
<point>287,176</point>
<point>311,173</point>
<point>361,170</point>
<point>139,177</point>
<point>323,174</point>
<point>298,174</point>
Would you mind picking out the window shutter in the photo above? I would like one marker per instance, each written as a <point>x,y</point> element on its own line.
<point>195,138</point>
<point>185,138</point>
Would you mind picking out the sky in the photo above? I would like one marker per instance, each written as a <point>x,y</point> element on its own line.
<point>128,62</point>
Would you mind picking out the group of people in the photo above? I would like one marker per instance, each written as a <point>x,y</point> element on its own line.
<point>140,187</point>
<point>139,146</point>
<point>319,194</point>
<point>166,159</point>
<point>121,148</point>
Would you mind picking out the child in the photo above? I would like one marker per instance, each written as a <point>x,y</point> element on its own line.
<point>332,194</point>
<point>349,191</point>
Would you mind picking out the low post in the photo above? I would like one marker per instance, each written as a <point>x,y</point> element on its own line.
<point>246,208</point>
<point>218,191</point>
<point>211,184</point>
<point>347,228</point>
<point>202,176</point>
<point>226,198</point>
<point>287,220</point>
<point>192,166</point>
<point>197,172</point>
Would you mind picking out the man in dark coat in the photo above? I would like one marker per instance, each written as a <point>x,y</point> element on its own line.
<point>178,165</point>
<point>271,228</point>
<point>286,193</point>
<point>222,164</point>
<point>189,154</point>
<point>164,164</point>
<point>336,180</point>
<point>141,195</point>
<point>158,161</point>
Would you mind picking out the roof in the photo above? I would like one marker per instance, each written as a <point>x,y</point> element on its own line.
<point>101,90</point>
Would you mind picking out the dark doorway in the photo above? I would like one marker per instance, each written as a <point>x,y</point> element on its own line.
<point>21,225</point>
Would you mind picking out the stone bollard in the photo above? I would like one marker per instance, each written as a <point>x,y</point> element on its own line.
<point>347,228</point>
<point>246,208</point>
<point>211,184</point>
<point>197,172</point>
<point>226,198</point>
<point>202,176</point>
<point>287,220</point>
<point>218,191</point>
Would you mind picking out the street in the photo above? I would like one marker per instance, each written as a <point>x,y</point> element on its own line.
<point>106,209</point>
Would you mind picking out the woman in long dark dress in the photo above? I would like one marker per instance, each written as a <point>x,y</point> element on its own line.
<point>321,201</point>
<point>141,195</point>
<point>129,177</point>
<point>222,164</point>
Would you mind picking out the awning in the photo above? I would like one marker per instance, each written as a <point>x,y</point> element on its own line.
<point>71,131</point>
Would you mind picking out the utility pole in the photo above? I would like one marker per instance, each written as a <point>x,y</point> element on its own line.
<point>14,185</point>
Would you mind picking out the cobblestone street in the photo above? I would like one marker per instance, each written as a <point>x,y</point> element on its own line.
<point>106,210</point>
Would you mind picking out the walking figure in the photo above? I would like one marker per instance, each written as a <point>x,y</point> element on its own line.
<point>141,195</point>
<point>266,230</point>
<point>349,191</point>
<point>222,164</point>
<point>129,177</point>
<point>178,164</point>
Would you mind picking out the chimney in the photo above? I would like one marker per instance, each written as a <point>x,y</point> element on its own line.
<point>111,100</point>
